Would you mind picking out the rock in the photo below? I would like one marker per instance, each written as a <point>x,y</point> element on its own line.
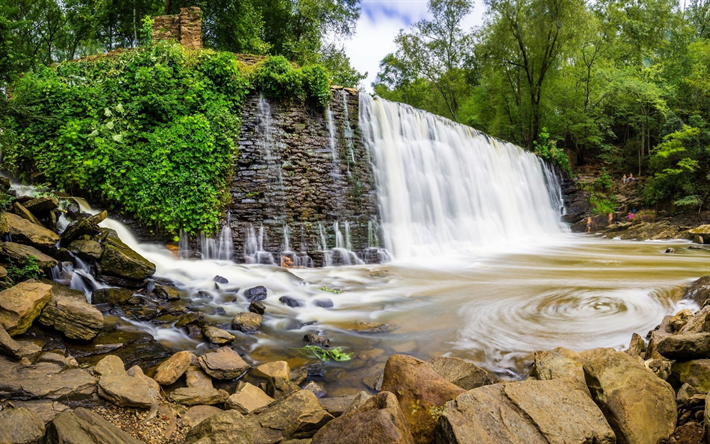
<point>220,279</point>
<point>698,239</point>
<point>336,406</point>
<point>44,380</point>
<point>86,249</point>
<point>699,322</point>
<point>255,294</point>
<point>22,304</point>
<point>198,396</point>
<point>98,217</point>
<point>257,307</point>
<point>68,312</point>
<point>323,303</point>
<point>225,364</point>
<point>121,389</point>
<point>628,395</point>
<point>358,400</point>
<point>369,327</point>
<point>297,376</point>
<point>420,391</point>
<point>8,346</point>
<point>460,373</point>
<point>168,293</point>
<point>680,319</point>
<point>315,388</point>
<point>196,378</point>
<point>695,373</point>
<point>698,290</point>
<point>230,427</point>
<point>291,302</point>
<point>374,382</point>
<point>530,412</point>
<point>248,399</point>
<point>271,370</point>
<point>78,229</point>
<point>19,254</point>
<point>377,421</point>
<point>247,322</point>
<point>111,296</point>
<point>172,368</point>
<point>45,409</point>
<point>689,398</point>
<point>685,346</point>
<point>637,346</point>
<point>558,364</point>
<point>702,231</point>
<point>195,317</point>
<point>217,335</point>
<point>25,232</point>
<point>660,367</point>
<point>669,250</point>
<point>199,413</point>
<point>24,213</point>
<point>120,260</point>
<point>41,204</point>
<point>280,388</point>
<point>83,426</point>
<point>314,339</point>
<point>153,387</point>
<point>20,426</point>
<point>297,416</point>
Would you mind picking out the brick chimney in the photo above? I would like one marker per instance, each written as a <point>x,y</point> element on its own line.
<point>185,28</point>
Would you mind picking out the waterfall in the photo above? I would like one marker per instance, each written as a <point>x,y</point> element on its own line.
<point>254,248</point>
<point>445,187</point>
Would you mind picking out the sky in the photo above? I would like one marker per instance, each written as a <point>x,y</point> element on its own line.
<point>379,24</point>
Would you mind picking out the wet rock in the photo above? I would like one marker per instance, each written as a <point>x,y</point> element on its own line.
<point>298,375</point>
<point>248,399</point>
<point>68,312</point>
<point>22,304</point>
<point>168,293</point>
<point>247,322</point>
<point>698,239</point>
<point>669,250</point>
<point>373,382</point>
<point>120,260</point>
<point>696,373</point>
<point>378,421</point>
<point>173,368</point>
<point>315,339</point>
<point>680,319</point>
<point>199,396</point>
<point>24,213</point>
<point>557,364</point>
<point>220,280</point>
<point>20,426</point>
<point>637,346</point>
<point>79,229</point>
<point>659,367</point>
<point>369,327</point>
<point>44,409</point>
<point>25,232</point>
<point>338,405</point>
<point>460,373</point>
<point>41,204</point>
<point>119,388</point>
<point>98,217</point>
<point>291,302</point>
<point>230,427</point>
<point>255,294</point>
<point>628,395</point>
<point>83,426</point>
<point>358,400</point>
<point>217,335</point>
<point>195,318</point>
<point>702,231</point>
<point>279,388</point>
<point>323,303</point>
<point>44,380</point>
<point>8,346</point>
<point>685,346</point>
<point>698,290</point>
<point>111,296</point>
<point>19,254</point>
<point>315,388</point>
<point>420,391</point>
<point>699,322</point>
<point>276,369</point>
<point>199,413</point>
<point>86,249</point>
<point>297,416</point>
<point>224,364</point>
<point>257,307</point>
<point>219,311</point>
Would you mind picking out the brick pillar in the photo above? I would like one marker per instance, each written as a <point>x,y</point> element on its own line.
<point>191,27</point>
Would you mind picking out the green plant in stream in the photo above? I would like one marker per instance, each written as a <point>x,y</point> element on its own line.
<point>325,354</point>
<point>20,273</point>
<point>330,290</point>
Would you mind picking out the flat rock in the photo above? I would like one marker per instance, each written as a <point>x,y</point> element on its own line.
<point>230,427</point>
<point>685,346</point>
<point>22,304</point>
<point>19,253</point>
<point>291,302</point>
<point>172,368</point>
<point>20,426</point>
<point>24,213</point>
<point>121,389</point>
<point>86,249</point>
<point>45,409</point>
<point>224,364</point>
<point>8,346</point>
<point>297,416</point>
<point>276,369</point>
<point>199,396</point>
<point>378,421</point>
<point>83,426</point>
<point>25,232</point>
<point>702,231</point>
<point>196,378</point>
<point>420,391</point>
<point>217,335</point>
<point>247,322</point>
<point>460,373</point>
<point>559,363</point>
<point>336,406</point>
<point>120,260</point>
<point>68,312</point>
<point>41,204</point>
<point>167,293</point>
<point>44,380</point>
<point>248,399</point>
<point>111,296</point>
<point>199,413</point>
<point>629,395</point>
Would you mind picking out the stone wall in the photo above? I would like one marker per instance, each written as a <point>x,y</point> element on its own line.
<point>185,27</point>
<point>293,183</point>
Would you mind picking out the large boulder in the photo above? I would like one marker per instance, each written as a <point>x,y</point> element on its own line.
<point>86,249</point>
<point>24,213</point>
<point>20,253</point>
<point>230,427</point>
<point>79,229</point>
<point>44,380</point>
<point>248,399</point>
<point>421,393</point>
<point>702,231</point>
<point>69,312</point>
<point>25,232</point>
<point>22,304</point>
<point>532,412</point>
<point>696,373</point>
<point>121,389</point>
<point>698,290</point>
<point>111,296</point>
<point>118,259</point>
<point>172,368</point>
<point>9,346</point>
<point>685,346</point>
<point>559,363</point>
<point>83,426</point>
<point>247,322</point>
<point>628,395</point>
<point>20,426</point>
<point>272,370</point>
<point>225,364</point>
<point>297,416</point>
<point>461,373</point>
<point>44,409</point>
<point>41,205</point>
<point>378,421</point>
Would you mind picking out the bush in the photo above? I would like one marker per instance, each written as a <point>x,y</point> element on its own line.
<point>546,149</point>
<point>21,273</point>
<point>276,77</point>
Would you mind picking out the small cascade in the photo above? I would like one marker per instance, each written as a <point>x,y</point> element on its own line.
<point>375,254</point>
<point>290,258</point>
<point>268,143</point>
<point>347,130</point>
<point>77,277</point>
<point>342,253</point>
<point>221,248</point>
<point>184,246</point>
<point>331,134</point>
<point>254,248</point>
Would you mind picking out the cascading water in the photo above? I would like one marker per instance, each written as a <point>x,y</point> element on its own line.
<point>254,248</point>
<point>444,187</point>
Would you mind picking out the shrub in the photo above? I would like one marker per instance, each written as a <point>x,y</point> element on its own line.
<point>20,273</point>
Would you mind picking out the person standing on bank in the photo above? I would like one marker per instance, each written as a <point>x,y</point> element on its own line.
<point>589,224</point>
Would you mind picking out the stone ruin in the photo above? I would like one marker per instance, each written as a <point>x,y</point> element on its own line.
<point>185,28</point>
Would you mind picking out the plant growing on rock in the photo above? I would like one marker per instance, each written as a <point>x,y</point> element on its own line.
<point>20,273</point>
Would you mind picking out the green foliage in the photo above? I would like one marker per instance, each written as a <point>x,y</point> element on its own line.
<point>146,34</point>
<point>276,77</point>
<point>325,354</point>
<point>20,273</point>
<point>316,82</point>
<point>604,182</point>
<point>330,290</point>
<point>547,149</point>
<point>602,204</point>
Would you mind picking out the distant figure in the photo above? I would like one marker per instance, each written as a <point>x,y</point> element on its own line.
<point>589,224</point>
<point>631,217</point>
<point>623,179</point>
<point>631,177</point>
<point>611,216</point>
